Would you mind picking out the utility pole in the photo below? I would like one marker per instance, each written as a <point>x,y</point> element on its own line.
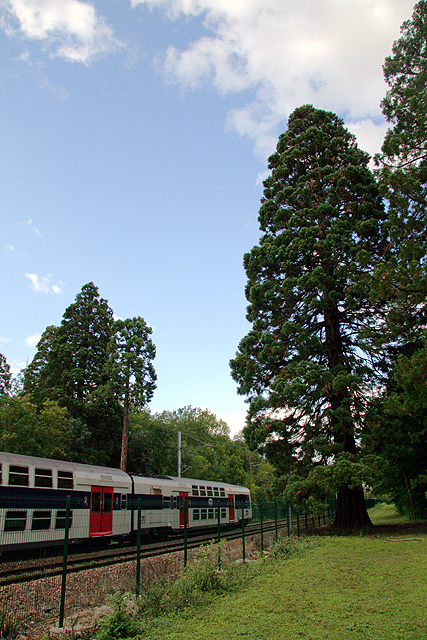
<point>179,454</point>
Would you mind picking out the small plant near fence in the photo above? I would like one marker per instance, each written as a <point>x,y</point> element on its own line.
<point>10,625</point>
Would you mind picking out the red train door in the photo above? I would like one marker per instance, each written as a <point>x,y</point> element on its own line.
<point>231,516</point>
<point>182,496</point>
<point>101,511</point>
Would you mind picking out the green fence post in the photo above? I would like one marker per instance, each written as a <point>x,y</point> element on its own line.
<point>138,549</point>
<point>288,518</point>
<point>275,520</point>
<point>243,535</point>
<point>185,529</point>
<point>64,562</point>
<point>306,522</point>
<point>297,524</point>
<point>262,526</point>
<point>219,536</point>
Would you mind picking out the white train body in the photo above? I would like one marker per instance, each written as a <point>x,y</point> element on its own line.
<point>105,502</point>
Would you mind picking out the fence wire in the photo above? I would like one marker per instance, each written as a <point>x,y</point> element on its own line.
<point>40,577</point>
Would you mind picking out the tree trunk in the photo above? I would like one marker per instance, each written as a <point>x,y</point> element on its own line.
<point>351,509</point>
<point>125,435</point>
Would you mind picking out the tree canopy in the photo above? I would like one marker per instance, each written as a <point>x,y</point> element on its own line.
<point>130,370</point>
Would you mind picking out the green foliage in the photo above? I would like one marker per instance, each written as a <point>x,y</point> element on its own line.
<point>5,377</point>
<point>120,623</point>
<point>194,586</point>
<point>50,433</point>
<point>207,451</point>
<point>129,364</point>
<point>395,431</point>
<point>304,366</point>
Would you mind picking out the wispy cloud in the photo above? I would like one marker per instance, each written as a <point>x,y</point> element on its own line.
<point>70,29</point>
<point>10,248</point>
<point>4,340</point>
<point>44,285</point>
<point>34,229</point>
<point>283,53</point>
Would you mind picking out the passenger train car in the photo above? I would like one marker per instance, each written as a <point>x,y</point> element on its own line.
<point>104,502</point>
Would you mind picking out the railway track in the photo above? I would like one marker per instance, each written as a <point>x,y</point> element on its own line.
<point>36,569</point>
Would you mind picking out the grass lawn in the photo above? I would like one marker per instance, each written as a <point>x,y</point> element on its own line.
<point>340,588</point>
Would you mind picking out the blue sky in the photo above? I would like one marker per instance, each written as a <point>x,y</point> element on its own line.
<point>134,140</point>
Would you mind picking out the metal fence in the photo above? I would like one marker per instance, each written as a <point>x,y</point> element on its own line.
<point>48,569</point>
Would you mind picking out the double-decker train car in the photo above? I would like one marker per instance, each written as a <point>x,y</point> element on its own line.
<point>105,502</point>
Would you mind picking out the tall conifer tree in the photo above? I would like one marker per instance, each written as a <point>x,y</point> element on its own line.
<point>303,366</point>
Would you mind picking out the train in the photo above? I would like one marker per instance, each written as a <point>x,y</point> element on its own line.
<point>105,503</point>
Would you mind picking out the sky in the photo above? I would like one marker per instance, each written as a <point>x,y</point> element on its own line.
<point>134,140</point>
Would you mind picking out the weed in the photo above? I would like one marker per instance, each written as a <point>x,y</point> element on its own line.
<point>120,623</point>
<point>10,625</point>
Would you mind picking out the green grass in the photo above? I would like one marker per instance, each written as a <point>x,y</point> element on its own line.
<point>341,588</point>
<point>385,514</point>
<point>358,587</point>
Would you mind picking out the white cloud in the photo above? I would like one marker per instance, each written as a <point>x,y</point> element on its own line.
<point>31,341</point>
<point>72,29</point>
<point>4,340</point>
<point>287,53</point>
<point>43,285</point>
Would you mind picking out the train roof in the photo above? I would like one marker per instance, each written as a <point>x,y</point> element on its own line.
<point>211,483</point>
<point>34,461</point>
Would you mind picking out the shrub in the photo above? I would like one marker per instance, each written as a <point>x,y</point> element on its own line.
<point>120,623</point>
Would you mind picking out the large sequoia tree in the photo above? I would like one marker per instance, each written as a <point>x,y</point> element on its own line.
<point>303,365</point>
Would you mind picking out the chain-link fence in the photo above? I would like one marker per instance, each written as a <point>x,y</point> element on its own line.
<point>55,559</point>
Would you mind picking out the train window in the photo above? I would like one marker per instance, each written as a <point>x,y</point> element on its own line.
<point>203,514</point>
<point>166,502</point>
<point>174,502</point>
<point>43,478</point>
<point>108,502</point>
<point>209,491</point>
<point>196,514</point>
<point>195,490</point>
<point>222,492</point>
<point>41,520</point>
<point>65,480</point>
<point>210,514</point>
<point>124,501</point>
<point>18,476</point>
<point>203,491</point>
<point>216,492</point>
<point>223,512</point>
<point>61,518</point>
<point>0,474</point>
<point>96,502</point>
<point>15,521</point>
